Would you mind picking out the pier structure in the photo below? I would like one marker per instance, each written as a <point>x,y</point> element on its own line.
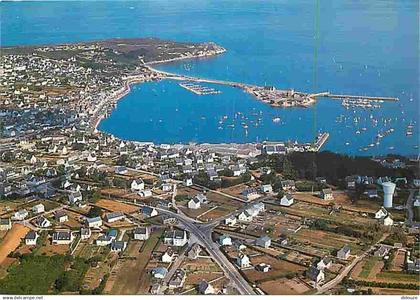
<point>281,98</point>
<point>320,141</point>
<point>198,89</point>
<point>370,98</point>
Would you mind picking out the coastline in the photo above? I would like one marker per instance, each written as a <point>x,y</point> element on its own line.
<point>204,55</point>
<point>113,99</point>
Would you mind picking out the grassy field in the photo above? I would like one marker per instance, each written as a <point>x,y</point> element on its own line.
<point>368,266</point>
<point>34,275</point>
<point>399,277</point>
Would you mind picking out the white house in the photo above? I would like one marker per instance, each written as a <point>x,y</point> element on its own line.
<point>315,274</point>
<point>149,211</point>
<point>343,253</point>
<point>230,221</point>
<point>267,188</point>
<point>121,170</point>
<point>168,256</point>
<point>31,238</point>
<point>245,216</point>
<point>225,240</point>
<point>145,193</point>
<point>263,267</point>
<point>250,193</point>
<point>381,213</point>
<point>39,208</point>
<point>176,238</point>
<point>103,240</point>
<point>62,238</point>
<point>61,216</point>
<point>137,185</point>
<point>42,222</point>
<point>20,214</point>
<point>264,242</point>
<point>94,222</point>
<point>243,261</point>
<point>91,157</point>
<point>5,224</point>
<point>201,197</point>
<point>387,221</point>
<point>287,200</point>
<point>327,194</point>
<point>75,197</point>
<point>324,263</point>
<point>114,216</point>
<point>194,203</point>
<point>118,246</point>
<point>205,288</point>
<point>188,182</point>
<point>166,187</point>
<point>85,233</point>
<point>141,233</point>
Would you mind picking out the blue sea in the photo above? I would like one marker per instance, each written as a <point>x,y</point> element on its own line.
<point>363,48</point>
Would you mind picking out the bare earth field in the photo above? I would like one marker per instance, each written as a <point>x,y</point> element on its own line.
<point>112,205</point>
<point>280,268</point>
<point>398,262</point>
<point>51,250</point>
<point>284,286</point>
<point>12,240</point>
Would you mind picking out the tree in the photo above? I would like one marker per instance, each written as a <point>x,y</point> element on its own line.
<point>288,170</point>
<point>94,212</point>
<point>120,183</point>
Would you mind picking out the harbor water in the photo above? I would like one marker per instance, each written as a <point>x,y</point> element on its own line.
<point>364,48</point>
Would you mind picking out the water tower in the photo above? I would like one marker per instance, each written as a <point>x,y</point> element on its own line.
<point>389,189</point>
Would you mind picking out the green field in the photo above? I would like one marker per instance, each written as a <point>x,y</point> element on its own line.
<point>400,277</point>
<point>34,275</point>
<point>367,267</point>
<point>40,275</point>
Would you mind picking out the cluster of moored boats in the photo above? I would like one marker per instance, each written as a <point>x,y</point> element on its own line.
<point>199,89</point>
<point>361,103</point>
<point>383,126</point>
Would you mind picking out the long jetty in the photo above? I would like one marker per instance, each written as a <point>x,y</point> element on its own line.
<point>244,85</point>
<point>372,98</point>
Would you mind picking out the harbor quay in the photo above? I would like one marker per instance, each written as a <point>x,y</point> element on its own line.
<point>271,95</point>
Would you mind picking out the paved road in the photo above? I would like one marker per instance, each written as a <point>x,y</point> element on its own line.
<point>203,235</point>
<point>213,248</point>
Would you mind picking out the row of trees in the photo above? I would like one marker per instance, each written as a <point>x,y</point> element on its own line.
<point>334,167</point>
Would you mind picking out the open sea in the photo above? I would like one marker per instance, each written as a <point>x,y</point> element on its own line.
<point>364,48</point>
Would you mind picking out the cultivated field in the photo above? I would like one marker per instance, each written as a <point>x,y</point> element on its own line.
<point>328,241</point>
<point>132,276</point>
